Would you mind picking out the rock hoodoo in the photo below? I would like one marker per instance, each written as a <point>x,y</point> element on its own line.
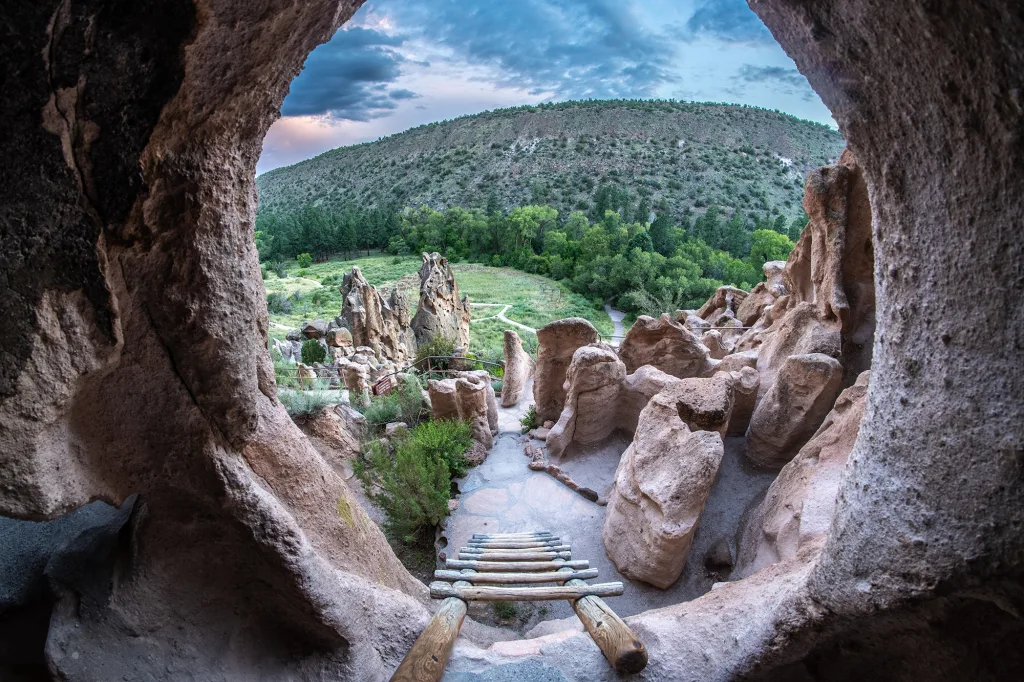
<point>661,485</point>
<point>557,342</point>
<point>518,370</point>
<point>441,312</point>
<point>665,344</point>
<point>468,396</point>
<point>375,321</point>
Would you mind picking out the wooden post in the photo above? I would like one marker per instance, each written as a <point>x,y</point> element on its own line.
<point>429,654</point>
<point>623,649</point>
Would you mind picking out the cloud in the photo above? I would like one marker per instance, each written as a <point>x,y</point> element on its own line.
<point>786,80</point>
<point>402,93</point>
<point>728,20</point>
<point>571,48</point>
<point>348,77</point>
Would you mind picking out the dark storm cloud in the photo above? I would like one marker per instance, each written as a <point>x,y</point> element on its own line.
<point>729,20</point>
<point>574,48</point>
<point>348,77</point>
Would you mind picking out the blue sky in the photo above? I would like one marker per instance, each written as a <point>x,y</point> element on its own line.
<point>400,63</point>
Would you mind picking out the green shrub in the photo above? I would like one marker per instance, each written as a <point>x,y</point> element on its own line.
<point>529,420</point>
<point>263,270</point>
<point>382,410</point>
<point>411,488</point>
<point>409,395</point>
<point>497,386</point>
<point>312,352</point>
<point>439,346</point>
<point>305,260</point>
<point>299,403</point>
<point>447,439</point>
<point>277,303</point>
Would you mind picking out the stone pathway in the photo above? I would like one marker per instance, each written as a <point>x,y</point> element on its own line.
<point>616,316</point>
<point>501,316</point>
<point>502,495</point>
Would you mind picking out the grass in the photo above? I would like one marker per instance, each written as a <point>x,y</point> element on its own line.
<point>535,300</point>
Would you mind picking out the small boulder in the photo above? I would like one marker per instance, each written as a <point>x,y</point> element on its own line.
<point>396,429</point>
<point>316,329</point>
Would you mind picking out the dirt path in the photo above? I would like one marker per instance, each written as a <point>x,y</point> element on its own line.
<point>616,316</point>
<point>501,316</point>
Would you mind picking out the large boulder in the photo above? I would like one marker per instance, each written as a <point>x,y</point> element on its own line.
<point>356,377</point>
<point>797,509</point>
<point>441,313</point>
<point>745,384</point>
<point>665,344</point>
<point>469,397</point>
<point>336,432</point>
<point>725,301</point>
<point>518,370</point>
<point>763,294</point>
<point>705,404</point>
<point>375,321</point>
<point>594,379</point>
<point>661,484</point>
<point>793,408</point>
<point>557,342</point>
<point>316,329</point>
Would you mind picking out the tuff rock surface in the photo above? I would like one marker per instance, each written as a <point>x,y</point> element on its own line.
<point>665,344</point>
<point>374,321</point>
<point>518,370</point>
<point>441,313</point>
<point>557,342</point>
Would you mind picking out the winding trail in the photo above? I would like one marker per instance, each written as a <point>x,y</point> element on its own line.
<point>616,316</point>
<point>501,316</point>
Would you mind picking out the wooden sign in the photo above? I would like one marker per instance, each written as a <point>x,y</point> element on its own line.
<point>384,386</point>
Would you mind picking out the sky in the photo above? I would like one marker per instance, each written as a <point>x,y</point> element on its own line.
<point>398,64</point>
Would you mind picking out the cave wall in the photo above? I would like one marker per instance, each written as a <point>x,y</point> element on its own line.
<point>135,356</point>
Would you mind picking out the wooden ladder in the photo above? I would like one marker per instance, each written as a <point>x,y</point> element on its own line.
<point>508,567</point>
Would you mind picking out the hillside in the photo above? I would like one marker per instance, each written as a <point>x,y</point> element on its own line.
<point>689,155</point>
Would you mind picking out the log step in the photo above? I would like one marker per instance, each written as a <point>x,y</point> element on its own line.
<point>516,566</point>
<point>442,590</point>
<point>541,533</point>
<point>514,556</point>
<point>512,544</point>
<point>498,548</point>
<point>515,578</point>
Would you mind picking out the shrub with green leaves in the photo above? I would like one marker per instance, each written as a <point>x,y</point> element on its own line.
<point>305,260</point>
<point>299,403</point>
<point>382,410</point>
<point>278,304</point>
<point>413,487</point>
<point>529,420</point>
<point>312,352</point>
<point>438,346</point>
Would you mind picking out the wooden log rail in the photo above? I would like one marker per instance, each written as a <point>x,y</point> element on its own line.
<point>509,567</point>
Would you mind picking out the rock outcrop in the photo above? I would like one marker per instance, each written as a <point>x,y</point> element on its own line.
<point>791,411</point>
<point>441,313</point>
<point>725,301</point>
<point>763,294</point>
<point>661,484</point>
<point>468,396</point>
<point>594,379</point>
<point>798,507</point>
<point>518,370</point>
<point>356,377</point>
<point>557,342</point>
<point>665,344</point>
<point>375,321</point>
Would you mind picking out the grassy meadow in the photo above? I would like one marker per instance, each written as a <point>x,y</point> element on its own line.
<point>535,300</point>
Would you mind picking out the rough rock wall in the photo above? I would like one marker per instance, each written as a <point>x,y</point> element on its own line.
<point>441,312</point>
<point>136,359</point>
<point>920,576</point>
<point>556,343</point>
<point>375,321</point>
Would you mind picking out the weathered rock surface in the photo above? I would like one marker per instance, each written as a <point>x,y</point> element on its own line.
<point>661,485</point>
<point>317,329</point>
<point>339,427</point>
<point>441,313</point>
<point>704,404</point>
<point>665,344</point>
<point>745,385</point>
<point>594,379</point>
<point>763,294</point>
<point>518,370</point>
<point>557,342</point>
<point>798,507</point>
<point>356,377</point>
<point>725,301</point>
<point>469,397</point>
<point>793,409</point>
<point>375,321</point>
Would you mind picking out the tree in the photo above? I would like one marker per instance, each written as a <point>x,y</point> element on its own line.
<point>312,352</point>
<point>662,236</point>
<point>768,245</point>
<point>305,260</point>
<point>641,240</point>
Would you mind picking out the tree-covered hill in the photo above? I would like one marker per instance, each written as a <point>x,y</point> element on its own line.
<point>632,156</point>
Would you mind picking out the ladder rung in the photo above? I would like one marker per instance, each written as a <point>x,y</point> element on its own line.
<point>516,566</point>
<point>440,590</point>
<point>540,533</point>
<point>514,556</point>
<point>513,578</point>
<point>505,544</point>
<point>519,550</point>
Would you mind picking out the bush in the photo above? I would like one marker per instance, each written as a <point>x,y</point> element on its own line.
<point>277,303</point>
<point>409,395</point>
<point>414,486</point>
<point>263,270</point>
<point>382,410</point>
<point>529,420</point>
<point>299,403</point>
<point>505,610</point>
<point>439,346</point>
<point>312,352</point>
<point>411,488</point>
<point>497,386</point>
<point>305,260</point>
